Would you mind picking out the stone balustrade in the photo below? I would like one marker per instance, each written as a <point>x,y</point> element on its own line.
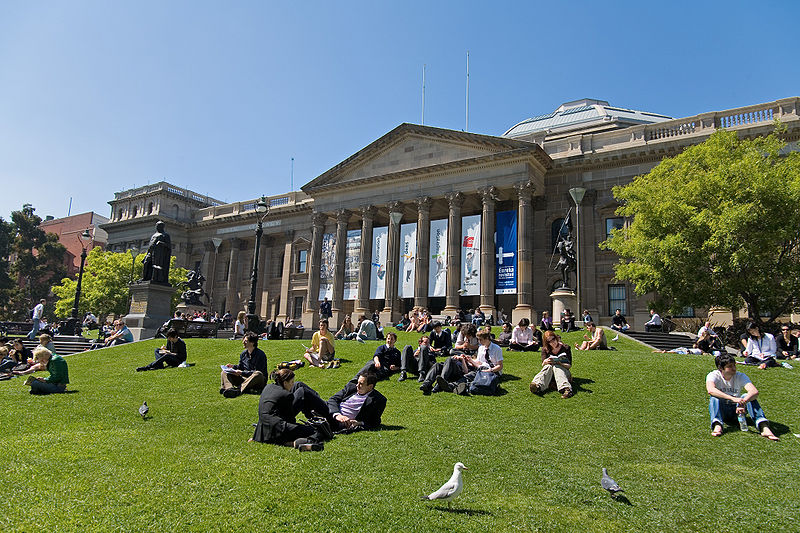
<point>236,208</point>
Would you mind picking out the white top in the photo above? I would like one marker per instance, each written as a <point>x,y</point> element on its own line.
<point>733,387</point>
<point>522,336</point>
<point>238,328</point>
<point>495,355</point>
<point>655,320</point>
<point>762,347</point>
<point>38,311</point>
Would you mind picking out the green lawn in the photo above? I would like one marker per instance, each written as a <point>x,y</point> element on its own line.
<point>86,461</point>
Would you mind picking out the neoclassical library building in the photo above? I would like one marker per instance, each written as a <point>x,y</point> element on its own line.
<point>436,218</point>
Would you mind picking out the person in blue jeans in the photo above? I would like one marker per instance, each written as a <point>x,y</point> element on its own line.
<point>726,386</point>
<point>38,313</point>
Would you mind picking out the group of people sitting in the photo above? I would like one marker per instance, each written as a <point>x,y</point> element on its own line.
<point>17,360</point>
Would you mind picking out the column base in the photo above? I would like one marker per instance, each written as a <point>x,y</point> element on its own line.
<point>336,319</point>
<point>523,311</point>
<point>562,299</point>
<point>451,311</point>
<point>310,319</point>
<point>389,317</point>
<point>284,318</point>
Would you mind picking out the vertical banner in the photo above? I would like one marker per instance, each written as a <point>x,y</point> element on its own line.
<point>327,266</point>
<point>408,255</point>
<point>437,267</point>
<point>471,255</point>
<point>506,253</point>
<point>377,271</point>
<point>351,264</point>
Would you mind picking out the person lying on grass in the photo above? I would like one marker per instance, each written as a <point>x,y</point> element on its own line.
<point>358,405</point>
<point>172,354</point>
<point>322,349</point>
<point>556,362</point>
<point>597,341</point>
<point>249,374</point>
<point>727,401</point>
<point>277,408</point>
<point>59,375</point>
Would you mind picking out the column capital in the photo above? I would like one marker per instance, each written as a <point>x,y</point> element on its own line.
<point>423,204</point>
<point>395,206</point>
<point>488,194</point>
<point>368,212</point>
<point>455,199</point>
<point>342,216</point>
<point>318,219</point>
<point>524,190</point>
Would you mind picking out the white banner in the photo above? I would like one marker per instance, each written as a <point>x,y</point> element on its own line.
<point>471,255</point>
<point>377,271</point>
<point>437,266</point>
<point>351,264</point>
<point>408,255</point>
<point>327,266</point>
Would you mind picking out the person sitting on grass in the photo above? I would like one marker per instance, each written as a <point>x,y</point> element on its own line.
<point>618,321</point>
<point>386,361</point>
<point>45,341</point>
<point>321,353</point>
<point>546,323</point>
<point>466,342</point>
<point>706,344</point>
<point>249,374</point>
<point>358,405</point>
<point>761,348</point>
<point>504,339</point>
<point>568,321</point>
<point>276,416</point>
<point>525,339</point>
<point>787,344</point>
<point>16,356</point>
<point>417,361</point>
<point>366,330</point>
<point>441,341</point>
<point>597,341</point>
<point>345,329</point>
<point>172,354</point>
<point>724,385</point>
<point>121,335</point>
<point>238,326</point>
<point>58,379</point>
<point>458,371</point>
<point>413,323</point>
<point>556,362</point>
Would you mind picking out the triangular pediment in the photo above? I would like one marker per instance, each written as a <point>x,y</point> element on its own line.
<point>409,147</point>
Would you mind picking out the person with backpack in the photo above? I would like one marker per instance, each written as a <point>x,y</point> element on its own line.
<point>556,362</point>
<point>459,372</point>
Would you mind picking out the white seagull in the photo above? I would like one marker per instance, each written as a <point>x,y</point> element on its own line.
<point>451,489</point>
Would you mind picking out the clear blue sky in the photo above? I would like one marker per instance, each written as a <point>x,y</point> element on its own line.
<point>98,96</point>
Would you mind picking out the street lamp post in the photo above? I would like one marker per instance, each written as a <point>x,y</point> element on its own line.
<point>72,326</point>
<point>134,253</point>
<point>253,320</point>
<point>577,194</point>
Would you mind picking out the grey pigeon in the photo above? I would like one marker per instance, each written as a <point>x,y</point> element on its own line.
<point>451,489</point>
<point>143,410</point>
<point>609,484</point>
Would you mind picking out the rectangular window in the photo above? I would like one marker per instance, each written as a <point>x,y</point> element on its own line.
<point>617,300</point>
<point>301,260</point>
<point>612,224</point>
<point>297,311</point>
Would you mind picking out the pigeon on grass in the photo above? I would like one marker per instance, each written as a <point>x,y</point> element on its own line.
<point>143,410</point>
<point>609,484</point>
<point>450,490</point>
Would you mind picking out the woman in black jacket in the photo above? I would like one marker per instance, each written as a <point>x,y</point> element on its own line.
<point>276,416</point>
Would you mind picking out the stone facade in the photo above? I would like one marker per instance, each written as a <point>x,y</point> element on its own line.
<point>419,174</point>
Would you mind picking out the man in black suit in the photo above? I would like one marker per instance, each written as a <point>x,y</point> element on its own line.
<point>441,341</point>
<point>358,405</point>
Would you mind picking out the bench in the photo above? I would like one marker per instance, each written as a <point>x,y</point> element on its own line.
<point>15,328</point>
<point>190,329</point>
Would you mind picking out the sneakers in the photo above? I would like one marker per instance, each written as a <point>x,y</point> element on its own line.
<point>443,384</point>
<point>359,339</point>
<point>426,388</point>
<point>231,393</point>
<point>534,388</point>
<point>403,376</point>
<point>567,393</point>
<point>307,445</point>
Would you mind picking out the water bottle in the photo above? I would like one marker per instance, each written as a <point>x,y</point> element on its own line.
<point>784,364</point>
<point>742,422</point>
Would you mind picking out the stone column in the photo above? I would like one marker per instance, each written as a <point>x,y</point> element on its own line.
<point>232,283</point>
<point>390,313</point>
<point>311,312</point>
<point>337,304</point>
<point>488,221</point>
<point>362,303</point>
<point>209,269</point>
<point>453,298</point>
<point>286,272</point>
<point>422,259</point>
<point>524,306</point>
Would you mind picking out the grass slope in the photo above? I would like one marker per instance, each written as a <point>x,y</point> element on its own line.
<point>86,461</point>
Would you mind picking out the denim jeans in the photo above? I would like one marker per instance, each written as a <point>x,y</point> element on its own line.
<point>43,387</point>
<point>35,331</point>
<point>725,411</point>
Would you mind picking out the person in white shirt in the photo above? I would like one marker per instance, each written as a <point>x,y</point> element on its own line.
<point>654,324</point>
<point>524,338</point>
<point>761,348</point>
<point>460,370</point>
<point>38,313</point>
<point>727,401</point>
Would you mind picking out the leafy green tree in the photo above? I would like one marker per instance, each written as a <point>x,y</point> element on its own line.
<point>6,281</point>
<point>717,225</point>
<point>38,261</point>
<point>104,289</point>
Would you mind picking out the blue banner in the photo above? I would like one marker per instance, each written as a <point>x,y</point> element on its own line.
<point>505,247</point>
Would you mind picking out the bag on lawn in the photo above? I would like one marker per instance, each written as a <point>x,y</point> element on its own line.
<point>322,427</point>
<point>485,383</point>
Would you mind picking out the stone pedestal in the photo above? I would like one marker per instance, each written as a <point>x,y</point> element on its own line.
<point>185,308</point>
<point>523,311</point>
<point>310,319</point>
<point>563,298</point>
<point>389,317</point>
<point>150,308</point>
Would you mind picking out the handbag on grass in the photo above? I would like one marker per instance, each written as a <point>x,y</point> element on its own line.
<point>321,426</point>
<point>485,383</point>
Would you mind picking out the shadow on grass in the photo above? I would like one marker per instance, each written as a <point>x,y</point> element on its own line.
<point>779,429</point>
<point>468,512</point>
<point>384,427</point>
<point>578,385</point>
<point>509,377</point>
<point>621,498</point>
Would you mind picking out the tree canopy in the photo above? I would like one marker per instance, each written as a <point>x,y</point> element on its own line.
<point>104,289</point>
<point>717,225</point>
